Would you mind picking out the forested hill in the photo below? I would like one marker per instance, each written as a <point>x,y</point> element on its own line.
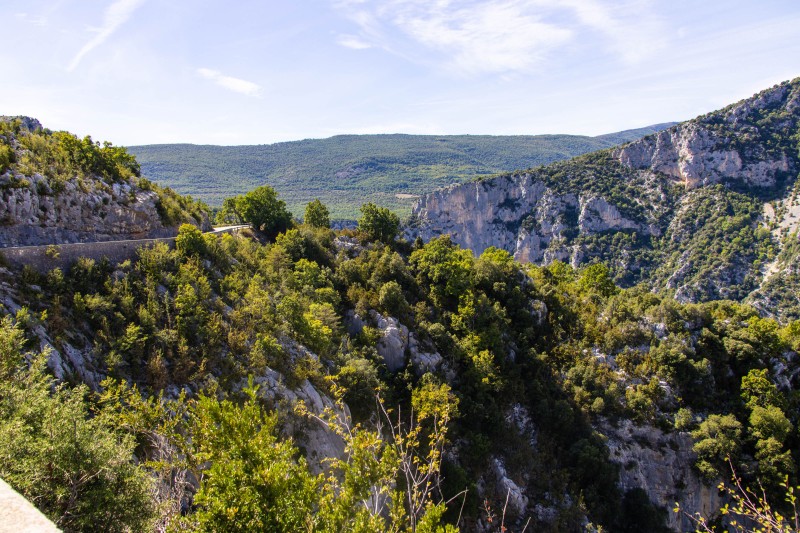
<point>708,209</point>
<point>347,170</point>
<point>304,379</point>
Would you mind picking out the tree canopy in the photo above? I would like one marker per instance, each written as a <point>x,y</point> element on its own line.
<point>317,215</point>
<point>260,207</point>
<point>378,223</point>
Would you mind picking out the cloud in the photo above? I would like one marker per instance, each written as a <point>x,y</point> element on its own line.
<point>115,16</point>
<point>474,37</point>
<point>237,85</point>
<point>354,42</point>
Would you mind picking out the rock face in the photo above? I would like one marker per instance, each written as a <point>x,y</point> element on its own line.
<point>638,207</point>
<point>659,464</point>
<point>85,210</point>
<point>519,214</point>
<point>393,342</point>
<point>18,515</point>
<point>317,439</point>
<point>697,157</point>
<point>697,153</point>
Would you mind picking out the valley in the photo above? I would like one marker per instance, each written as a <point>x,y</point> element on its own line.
<point>578,346</point>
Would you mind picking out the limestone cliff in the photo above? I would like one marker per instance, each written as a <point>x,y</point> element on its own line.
<point>706,209</point>
<point>658,463</point>
<point>636,207</point>
<point>56,188</point>
<point>84,211</point>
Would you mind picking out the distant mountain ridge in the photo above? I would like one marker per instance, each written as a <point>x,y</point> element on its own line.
<point>347,170</point>
<point>707,209</point>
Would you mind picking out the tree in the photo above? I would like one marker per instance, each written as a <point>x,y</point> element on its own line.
<point>255,481</point>
<point>444,268</point>
<point>317,215</point>
<point>378,223</point>
<point>596,277</point>
<point>717,438</point>
<point>75,468</point>
<point>190,240</point>
<point>262,208</point>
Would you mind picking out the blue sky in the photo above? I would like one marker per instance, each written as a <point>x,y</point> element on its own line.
<point>254,72</point>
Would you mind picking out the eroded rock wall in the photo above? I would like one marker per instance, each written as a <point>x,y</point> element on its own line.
<point>84,211</point>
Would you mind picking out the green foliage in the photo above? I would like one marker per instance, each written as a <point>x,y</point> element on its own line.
<point>261,208</point>
<point>716,439</point>
<point>759,391</point>
<point>378,223</point>
<point>560,346</point>
<point>73,467</point>
<point>443,268</point>
<point>317,215</point>
<point>255,481</point>
<point>190,240</point>
<point>7,157</point>
<point>62,156</point>
<point>596,277</point>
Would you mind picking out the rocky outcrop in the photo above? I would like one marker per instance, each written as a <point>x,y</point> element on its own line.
<point>318,441</point>
<point>18,515</point>
<point>393,342</point>
<point>517,213</point>
<point>697,156</point>
<point>422,360</point>
<point>660,464</point>
<point>31,213</point>
<point>638,207</point>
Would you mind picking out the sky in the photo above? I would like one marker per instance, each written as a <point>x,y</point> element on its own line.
<point>264,71</point>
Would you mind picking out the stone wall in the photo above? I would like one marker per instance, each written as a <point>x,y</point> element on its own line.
<point>47,257</point>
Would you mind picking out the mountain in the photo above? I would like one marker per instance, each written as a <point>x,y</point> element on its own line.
<point>706,209</point>
<point>356,381</point>
<point>346,171</point>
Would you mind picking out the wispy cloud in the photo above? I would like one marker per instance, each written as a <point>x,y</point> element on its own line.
<point>36,21</point>
<point>115,16</point>
<point>473,37</point>
<point>237,85</point>
<point>354,42</point>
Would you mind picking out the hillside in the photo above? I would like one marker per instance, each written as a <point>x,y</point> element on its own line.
<point>348,170</point>
<point>353,380</point>
<point>706,209</point>
<point>55,188</point>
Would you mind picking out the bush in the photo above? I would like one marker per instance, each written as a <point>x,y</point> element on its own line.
<point>262,208</point>
<point>190,240</point>
<point>378,223</point>
<point>75,469</point>
<point>317,215</point>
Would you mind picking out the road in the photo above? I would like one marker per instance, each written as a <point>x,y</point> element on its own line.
<point>217,229</point>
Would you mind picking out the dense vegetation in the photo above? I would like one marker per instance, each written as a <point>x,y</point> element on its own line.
<point>198,385</point>
<point>348,170</point>
<point>568,348</point>
<point>27,149</point>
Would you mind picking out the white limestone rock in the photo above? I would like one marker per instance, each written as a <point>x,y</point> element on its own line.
<point>85,210</point>
<point>393,342</point>
<point>422,360</point>
<point>660,464</point>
